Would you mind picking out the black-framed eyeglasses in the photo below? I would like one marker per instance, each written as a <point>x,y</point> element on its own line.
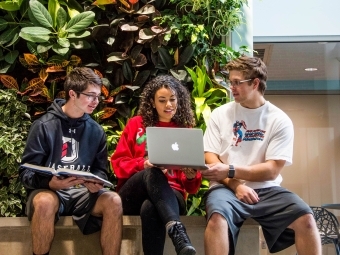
<point>92,97</point>
<point>237,83</point>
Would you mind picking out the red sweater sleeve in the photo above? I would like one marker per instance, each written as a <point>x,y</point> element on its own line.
<point>128,158</point>
<point>191,186</point>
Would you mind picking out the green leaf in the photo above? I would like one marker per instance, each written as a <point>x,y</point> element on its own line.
<point>6,36</point>
<point>127,72</point>
<point>13,40</point>
<point>11,56</point>
<point>4,67</point>
<point>185,56</point>
<point>73,7</point>
<point>167,60</point>
<point>36,30</point>
<point>41,14</point>
<point>53,7</point>
<point>61,18</point>
<point>33,19</point>
<point>10,5</point>
<point>3,24</point>
<point>35,38</point>
<point>59,49</point>
<point>80,22</point>
<point>63,42</point>
<point>41,48</point>
<point>32,47</point>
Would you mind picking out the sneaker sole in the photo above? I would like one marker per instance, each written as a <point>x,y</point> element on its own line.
<point>188,250</point>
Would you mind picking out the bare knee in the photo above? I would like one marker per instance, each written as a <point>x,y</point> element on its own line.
<point>304,222</point>
<point>217,221</point>
<point>110,203</point>
<point>45,203</point>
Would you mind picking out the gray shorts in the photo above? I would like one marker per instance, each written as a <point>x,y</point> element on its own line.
<point>275,211</point>
<point>75,202</point>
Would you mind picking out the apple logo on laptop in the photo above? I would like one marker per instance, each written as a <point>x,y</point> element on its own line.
<point>174,146</point>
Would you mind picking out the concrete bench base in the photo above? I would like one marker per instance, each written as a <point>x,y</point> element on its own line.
<point>15,237</point>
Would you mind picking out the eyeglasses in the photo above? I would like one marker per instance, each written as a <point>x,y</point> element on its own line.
<point>91,97</point>
<point>236,83</point>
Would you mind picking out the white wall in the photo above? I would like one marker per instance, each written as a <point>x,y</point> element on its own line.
<point>311,20</point>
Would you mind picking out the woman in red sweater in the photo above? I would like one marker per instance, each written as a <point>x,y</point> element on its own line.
<point>157,195</point>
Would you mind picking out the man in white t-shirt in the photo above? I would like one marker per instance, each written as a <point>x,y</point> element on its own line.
<point>247,143</point>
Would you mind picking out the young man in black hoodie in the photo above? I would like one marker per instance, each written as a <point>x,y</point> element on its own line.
<point>66,136</point>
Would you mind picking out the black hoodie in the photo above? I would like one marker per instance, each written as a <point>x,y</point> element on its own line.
<point>55,140</point>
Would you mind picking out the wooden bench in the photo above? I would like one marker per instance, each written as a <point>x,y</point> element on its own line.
<point>15,237</point>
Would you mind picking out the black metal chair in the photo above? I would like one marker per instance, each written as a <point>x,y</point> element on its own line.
<point>328,226</point>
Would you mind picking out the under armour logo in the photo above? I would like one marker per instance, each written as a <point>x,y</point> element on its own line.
<point>70,130</point>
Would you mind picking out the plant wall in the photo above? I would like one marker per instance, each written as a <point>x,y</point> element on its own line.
<point>127,42</point>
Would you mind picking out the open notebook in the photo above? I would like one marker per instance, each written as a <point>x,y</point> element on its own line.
<point>174,148</point>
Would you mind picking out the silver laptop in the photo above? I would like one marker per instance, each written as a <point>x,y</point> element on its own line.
<point>173,148</point>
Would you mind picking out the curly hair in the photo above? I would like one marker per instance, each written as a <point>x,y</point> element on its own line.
<point>183,117</point>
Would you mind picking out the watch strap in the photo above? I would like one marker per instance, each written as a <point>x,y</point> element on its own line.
<point>231,172</point>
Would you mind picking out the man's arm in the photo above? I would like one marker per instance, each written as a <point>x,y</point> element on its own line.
<point>259,172</point>
<point>266,171</point>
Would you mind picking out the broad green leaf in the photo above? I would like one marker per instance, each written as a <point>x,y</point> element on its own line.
<point>3,24</point>
<point>59,50</point>
<point>41,48</point>
<point>80,22</point>
<point>206,112</point>
<point>13,40</point>
<point>53,7</point>
<point>79,35</point>
<point>36,30</point>
<point>167,60</point>
<point>61,18</point>
<point>32,47</point>
<point>185,56</point>
<point>41,14</point>
<point>63,42</point>
<point>7,36</point>
<point>35,38</point>
<point>127,72</point>
<point>199,105</point>
<point>4,67</point>
<point>10,5</point>
<point>11,56</point>
<point>33,19</point>
<point>73,7</point>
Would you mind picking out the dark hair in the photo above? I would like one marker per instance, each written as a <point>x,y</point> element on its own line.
<point>184,116</point>
<point>251,67</point>
<point>79,79</point>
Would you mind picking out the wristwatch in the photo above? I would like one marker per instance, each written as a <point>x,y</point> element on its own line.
<point>231,172</point>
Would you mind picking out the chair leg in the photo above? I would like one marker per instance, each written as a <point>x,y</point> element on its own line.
<point>337,247</point>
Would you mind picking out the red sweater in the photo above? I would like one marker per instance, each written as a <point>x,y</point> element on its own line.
<point>128,158</point>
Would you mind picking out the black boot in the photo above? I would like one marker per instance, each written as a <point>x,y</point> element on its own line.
<point>181,240</point>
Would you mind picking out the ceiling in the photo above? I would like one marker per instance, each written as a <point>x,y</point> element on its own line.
<point>287,62</point>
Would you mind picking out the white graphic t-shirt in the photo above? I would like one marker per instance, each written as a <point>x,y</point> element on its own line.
<point>242,136</point>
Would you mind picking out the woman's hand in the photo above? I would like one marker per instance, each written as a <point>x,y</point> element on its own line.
<point>190,173</point>
<point>147,164</point>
